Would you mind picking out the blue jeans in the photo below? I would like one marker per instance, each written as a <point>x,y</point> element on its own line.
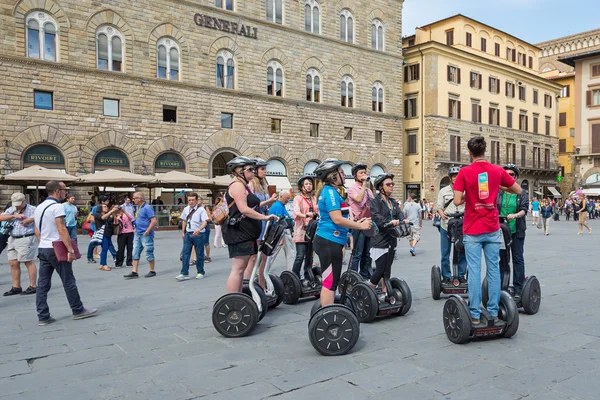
<point>490,244</point>
<point>206,236</point>
<point>362,246</point>
<point>106,247</point>
<point>302,256</point>
<point>445,245</point>
<point>72,231</point>
<point>141,242</point>
<point>91,247</point>
<point>198,242</point>
<point>518,262</point>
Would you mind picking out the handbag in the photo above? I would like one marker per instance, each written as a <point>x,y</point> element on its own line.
<point>87,225</point>
<point>220,213</point>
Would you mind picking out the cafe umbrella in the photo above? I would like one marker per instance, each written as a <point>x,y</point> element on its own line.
<point>38,176</point>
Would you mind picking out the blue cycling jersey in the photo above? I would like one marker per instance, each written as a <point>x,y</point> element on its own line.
<point>331,200</point>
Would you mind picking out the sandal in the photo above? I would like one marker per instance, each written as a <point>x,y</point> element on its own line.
<point>105,268</point>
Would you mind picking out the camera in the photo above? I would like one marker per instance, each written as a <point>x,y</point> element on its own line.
<point>368,179</point>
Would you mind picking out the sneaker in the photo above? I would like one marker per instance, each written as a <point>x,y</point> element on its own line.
<point>182,277</point>
<point>30,290</point>
<point>496,320</point>
<point>200,276</point>
<point>381,297</point>
<point>131,275</point>
<point>150,274</point>
<point>13,291</point>
<point>413,251</point>
<point>475,321</point>
<point>46,321</point>
<point>86,314</point>
<point>91,261</point>
<point>462,280</point>
<point>446,280</point>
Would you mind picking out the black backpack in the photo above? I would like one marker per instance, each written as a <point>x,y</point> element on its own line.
<point>455,233</point>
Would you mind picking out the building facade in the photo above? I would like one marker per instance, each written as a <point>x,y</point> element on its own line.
<point>151,86</point>
<point>463,78</point>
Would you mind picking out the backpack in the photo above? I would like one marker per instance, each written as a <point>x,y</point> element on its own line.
<point>311,230</point>
<point>455,233</point>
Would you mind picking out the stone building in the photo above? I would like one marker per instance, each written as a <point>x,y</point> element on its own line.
<point>463,78</point>
<point>153,85</point>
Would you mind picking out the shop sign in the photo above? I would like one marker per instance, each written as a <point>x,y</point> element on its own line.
<point>111,158</point>
<point>43,155</point>
<point>413,186</point>
<point>225,26</point>
<point>170,161</point>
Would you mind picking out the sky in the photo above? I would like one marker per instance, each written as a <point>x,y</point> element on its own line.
<point>533,21</point>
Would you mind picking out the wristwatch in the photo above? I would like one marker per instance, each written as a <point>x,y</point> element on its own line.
<point>72,251</point>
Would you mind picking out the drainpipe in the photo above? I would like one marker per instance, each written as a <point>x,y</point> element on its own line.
<point>422,123</point>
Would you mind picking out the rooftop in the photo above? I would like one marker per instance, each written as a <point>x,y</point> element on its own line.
<point>571,59</point>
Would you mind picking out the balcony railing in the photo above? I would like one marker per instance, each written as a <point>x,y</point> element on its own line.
<point>587,150</point>
<point>445,157</point>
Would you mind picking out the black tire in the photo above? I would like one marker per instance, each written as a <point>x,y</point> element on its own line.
<point>531,295</point>
<point>263,298</point>
<point>317,304</point>
<point>315,307</point>
<point>234,315</point>
<point>457,320</point>
<point>350,278</point>
<point>436,282</point>
<point>292,287</point>
<point>333,330</point>
<point>509,313</point>
<point>365,302</point>
<point>279,289</point>
<point>484,292</point>
<point>404,289</point>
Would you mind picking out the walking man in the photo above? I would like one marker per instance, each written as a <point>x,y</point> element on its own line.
<point>359,200</point>
<point>50,227</point>
<point>22,243</point>
<point>194,221</point>
<point>145,221</point>
<point>71,216</point>
<point>412,211</point>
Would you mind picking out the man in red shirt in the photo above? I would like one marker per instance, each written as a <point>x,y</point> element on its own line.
<point>477,186</point>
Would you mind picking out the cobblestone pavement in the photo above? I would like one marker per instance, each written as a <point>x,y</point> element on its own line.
<point>154,338</point>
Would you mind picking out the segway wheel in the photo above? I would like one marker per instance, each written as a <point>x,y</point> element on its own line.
<point>279,289</point>
<point>315,307</point>
<point>436,282</point>
<point>317,304</point>
<point>263,298</point>
<point>531,295</point>
<point>349,278</point>
<point>365,302</point>
<point>457,320</point>
<point>234,315</point>
<point>406,299</point>
<point>333,330</point>
<point>484,292</point>
<point>508,312</point>
<point>292,288</point>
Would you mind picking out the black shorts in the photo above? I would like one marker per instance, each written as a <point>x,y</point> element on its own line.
<point>242,249</point>
<point>330,256</point>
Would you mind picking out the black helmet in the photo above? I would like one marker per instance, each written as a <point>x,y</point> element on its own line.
<point>240,161</point>
<point>259,162</point>
<point>513,168</point>
<point>379,180</point>
<point>326,167</point>
<point>453,171</point>
<point>302,179</point>
<point>357,167</point>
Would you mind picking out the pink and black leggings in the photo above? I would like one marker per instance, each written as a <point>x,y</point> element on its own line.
<point>330,257</point>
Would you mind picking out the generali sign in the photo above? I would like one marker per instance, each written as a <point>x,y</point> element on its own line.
<point>225,26</point>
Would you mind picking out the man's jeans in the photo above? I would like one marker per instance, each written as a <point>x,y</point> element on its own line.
<point>362,246</point>
<point>490,244</point>
<point>49,263</point>
<point>446,246</point>
<point>198,242</point>
<point>302,256</point>
<point>141,242</point>
<point>289,248</point>
<point>72,232</point>
<point>518,263</point>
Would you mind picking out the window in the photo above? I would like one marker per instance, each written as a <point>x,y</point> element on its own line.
<point>494,85</point>
<point>411,73</point>
<point>410,107</point>
<point>523,155</point>
<point>453,74</point>
<point>111,108</point>
<point>484,45</point>
<point>596,138</point>
<point>535,96</point>
<point>43,100</point>
<point>562,145</point>
<point>346,26</point>
<point>592,98</point>
<point>511,55</point>
<point>469,39</point>
<point>313,86</point>
<point>225,69</point>
<point>377,97</point>
<point>274,79</point>
<point>411,42</point>
<point>475,80</point>
<point>167,65</point>
<point>546,158</point>
<point>347,133</point>
<point>275,125</point>
<point>226,120</point>
<point>523,122</point>
<point>530,62</point>
<point>547,101</point>
<point>521,59</point>
<point>377,37</point>
<point>595,71</point>
<point>312,18</point>
<point>566,91</point>
<point>495,152</point>
<point>224,4</point>
<point>494,116</point>
<point>455,148</point>
<point>476,112</point>
<point>510,90</point>
<point>347,91</point>
<point>497,49</point>
<point>522,93</point>
<point>509,117</point>
<point>450,37</point>
<point>548,125</point>
<point>110,51</point>
<point>275,11</point>
<point>511,153</point>
<point>169,114</point>
<point>411,142</point>
<point>314,130</point>
<point>562,119</point>
<point>536,118</point>
<point>454,108</point>
<point>378,136</point>
<point>41,36</point>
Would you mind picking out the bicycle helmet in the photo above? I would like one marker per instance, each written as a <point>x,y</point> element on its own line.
<point>453,171</point>
<point>513,168</point>
<point>240,161</point>
<point>259,162</point>
<point>379,180</point>
<point>302,179</point>
<point>357,167</point>
<point>327,167</point>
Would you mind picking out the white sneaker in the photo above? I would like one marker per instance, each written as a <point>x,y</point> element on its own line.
<point>182,277</point>
<point>199,276</point>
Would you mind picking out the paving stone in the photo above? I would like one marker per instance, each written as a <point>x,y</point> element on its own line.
<point>460,377</point>
<point>388,376</point>
<point>337,386</point>
<point>14,368</point>
<point>585,386</point>
<point>253,391</point>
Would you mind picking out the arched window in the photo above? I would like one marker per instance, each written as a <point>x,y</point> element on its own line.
<point>110,51</point>
<point>377,37</point>
<point>346,26</point>
<point>313,86</point>
<point>225,69</point>
<point>347,91</point>
<point>377,94</point>
<point>167,63</point>
<point>274,79</point>
<point>309,168</point>
<point>376,170</point>
<point>275,11</point>
<point>41,35</point>
<point>224,4</point>
<point>312,18</point>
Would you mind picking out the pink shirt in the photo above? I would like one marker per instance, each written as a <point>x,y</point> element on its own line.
<point>359,209</point>
<point>302,206</point>
<point>126,223</point>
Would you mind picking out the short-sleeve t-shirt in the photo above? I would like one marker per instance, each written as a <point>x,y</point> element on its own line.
<point>49,232</point>
<point>481,182</point>
<point>70,211</point>
<point>331,200</point>
<point>412,211</point>
<point>142,219</point>
<point>359,209</point>
<point>535,206</point>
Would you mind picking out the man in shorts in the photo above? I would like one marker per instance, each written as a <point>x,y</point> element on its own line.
<point>412,211</point>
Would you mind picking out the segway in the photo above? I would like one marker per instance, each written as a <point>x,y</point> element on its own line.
<point>454,286</point>
<point>236,314</point>
<point>531,293</point>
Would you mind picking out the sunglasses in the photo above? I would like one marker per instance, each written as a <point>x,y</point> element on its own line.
<point>390,184</point>
<point>251,169</point>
